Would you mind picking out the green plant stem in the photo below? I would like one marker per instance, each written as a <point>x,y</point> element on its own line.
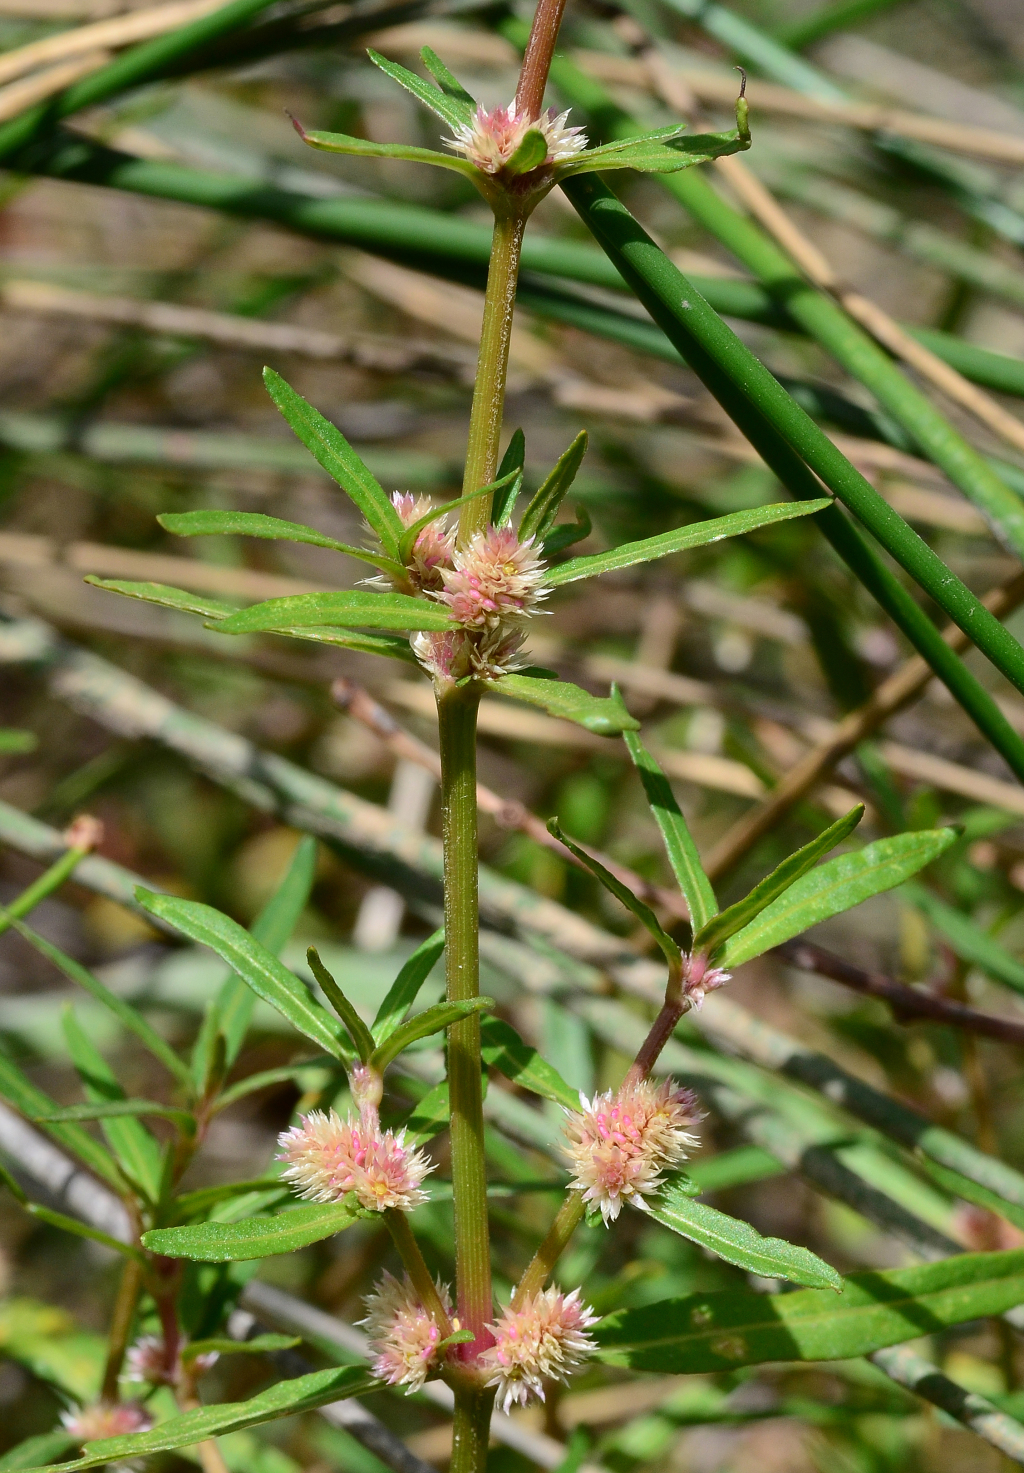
<point>491,371</point>
<point>45,885</point>
<point>471,1428</point>
<point>457,712</point>
<point>706,342</point>
<point>121,1326</point>
<point>413,1262</point>
<point>542,1264</point>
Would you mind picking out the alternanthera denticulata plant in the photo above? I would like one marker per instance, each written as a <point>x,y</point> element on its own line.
<point>453,591</point>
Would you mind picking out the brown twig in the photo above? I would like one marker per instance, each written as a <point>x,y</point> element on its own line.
<point>29,90</point>
<point>907,1003</point>
<point>540,48</point>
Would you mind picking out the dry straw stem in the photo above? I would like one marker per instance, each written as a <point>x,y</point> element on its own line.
<point>814,265</point>
<point>891,696</point>
<point>21,95</point>
<point>105,35</point>
<point>716,87</point>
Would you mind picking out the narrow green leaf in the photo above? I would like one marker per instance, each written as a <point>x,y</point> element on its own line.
<point>737,1242</point>
<point>129,1018</point>
<point>451,110</point>
<point>113,1109</point>
<point>410,152</point>
<point>603,715</point>
<point>712,936</point>
<point>431,1020</point>
<point>355,606</point>
<point>391,646</point>
<point>357,1030</point>
<point>254,963</point>
<point>650,156</point>
<point>970,941</point>
<point>255,1237</point>
<point>137,1151</point>
<point>339,460</point>
<point>530,154</point>
<point>287,1073</point>
<point>167,597</point>
<point>567,533</point>
<point>504,1050</point>
<point>81,1229</point>
<point>539,516</point>
<point>675,834</point>
<point>409,536</point>
<point>258,1345</point>
<point>834,887</point>
<point>706,1333</point>
<point>284,1399</point>
<point>644,914</point>
<point>447,81</point>
<point>428,1118</point>
<point>256,524</point>
<point>682,539</point>
<point>32,1102</point>
<point>42,1448</point>
<point>405,988</point>
<point>14,1186</point>
<point>503,504</point>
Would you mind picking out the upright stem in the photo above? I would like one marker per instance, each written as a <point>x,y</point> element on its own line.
<point>471,1428</point>
<point>121,1326</point>
<point>413,1262</point>
<point>537,58</point>
<point>491,370</point>
<point>457,709</point>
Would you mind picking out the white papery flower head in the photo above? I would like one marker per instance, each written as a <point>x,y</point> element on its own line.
<point>496,579</point>
<point>329,1157</point>
<point>435,545</point>
<point>491,138</point>
<point>146,1361</point>
<point>403,1338</point>
<point>621,1141</point>
<point>544,1340</point>
<point>106,1419</point>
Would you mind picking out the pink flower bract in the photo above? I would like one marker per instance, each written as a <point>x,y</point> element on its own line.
<point>490,139</point>
<point>496,579</point>
<point>435,545</point>
<point>621,1142</point>
<point>403,1338</point>
<point>544,1340</point>
<point>329,1157</point>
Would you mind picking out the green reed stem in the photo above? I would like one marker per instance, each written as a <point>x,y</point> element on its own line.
<point>457,712</point>
<point>471,1428</point>
<point>45,885</point>
<point>121,1326</point>
<point>542,1264</point>
<point>491,371</point>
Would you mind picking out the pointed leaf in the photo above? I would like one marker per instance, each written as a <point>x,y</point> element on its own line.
<point>451,110</point>
<point>567,533</point>
<point>255,1237</point>
<point>446,80</point>
<point>40,1449</point>
<point>603,715</point>
<point>258,1345</point>
<point>431,1020</point>
<point>112,1109</point>
<point>682,539</point>
<point>669,950</point>
<point>356,606</point>
<point>254,963</point>
<point>256,524</point>
<point>339,460</point>
<point>391,646</point>
<point>81,1229</point>
<point>530,154</point>
<point>970,941</point>
<point>410,152</point>
<point>126,1015</point>
<point>32,1102</point>
<point>356,1028</point>
<point>429,1117</point>
<point>284,1399</point>
<point>675,834</point>
<point>504,1050</point>
<point>834,887</point>
<point>539,516</point>
<point>137,1151</point>
<point>264,1079</point>
<point>650,156</point>
<point>504,501</point>
<point>409,536</point>
<point>714,934</point>
<point>405,988</point>
<point>737,1242</point>
<point>166,597</point>
<point>707,1333</point>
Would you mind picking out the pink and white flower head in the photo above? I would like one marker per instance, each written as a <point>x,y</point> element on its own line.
<point>403,1338</point>
<point>435,545</point>
<point>496,579</point>
<point>146,1361</point>
<point>490,139</point>
<point>445,656</point>
<point>544,1340</point>
<point>699,979</point>
<point>329,1157</point>
<point>620,1142</point>
<point>106,1419</point>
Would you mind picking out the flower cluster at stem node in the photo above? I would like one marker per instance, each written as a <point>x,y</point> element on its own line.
<point>106,1419</point>
<point>146,1360</point>
<point>699,979</point>
<point>544,1339</point>
<point>403,1338</point>
<point>620,1142</point>
<point>490,139</point>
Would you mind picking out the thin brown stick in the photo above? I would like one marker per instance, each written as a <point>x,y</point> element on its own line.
<point>540,48</point>
<point>805,254</point>
<point>26,93</point>
<point>891,696</point>
<point>907,1003</point>
<point>138,25</point>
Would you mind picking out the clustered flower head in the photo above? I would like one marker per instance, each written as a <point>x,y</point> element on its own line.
<point>490,139</point>
<point>146,1361</point>
<point>329,1157</point>
<point>403,1338</point>
<point>106,1419</point>
<point>699,979</point>
<point>544,1339</point>
<point>621,1141</point>
<point>495,579</point>
<point>434,547</point>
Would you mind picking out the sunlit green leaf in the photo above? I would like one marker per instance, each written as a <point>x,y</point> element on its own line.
<point>834,887</point>
<point>429,1117</point>
<point>258,1345</point>
<point>452,110</point>
<point>137,1151</point>
<point>682,539</point>
<point>255,1237</point>
<point>712,936</point>
<point>31,1102</point>
<point>566,534</point>
<point>447,81</point>
<point>256,524</point>
<point>503,503</point>
<point>675,833</point>
<point>410,535</point>
<point>357,1030</point>
<point>530,154</point>
<point>603,715</point>
<point>391,646</point>
<point>405,988</point>
<point>167,597</point>
<point>431,1020</point>
<point>362,147</point>
<point>539,516</point>
<point>112,1109</point>
<point>504,1050</point>
<point>357,606</point>
<point>649,154</point>
<point>12,743</point>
